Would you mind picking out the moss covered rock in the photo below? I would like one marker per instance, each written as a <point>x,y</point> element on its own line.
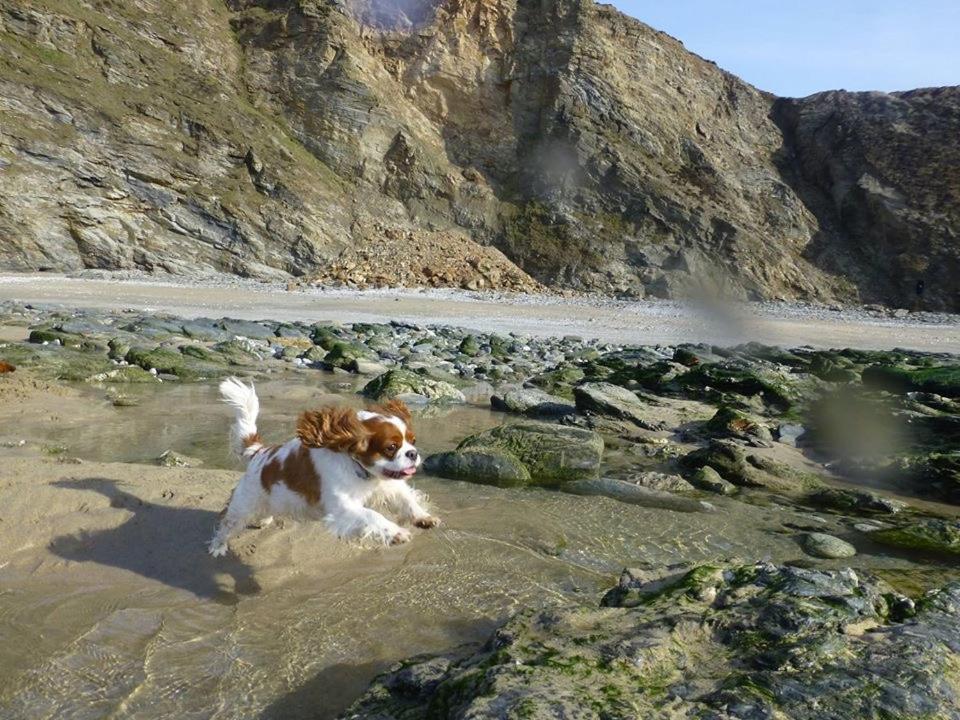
<point>931,535</point>
<point>550,454</point>
<point>715,641</point>
<point>488,466</point>
<point>400,382</point>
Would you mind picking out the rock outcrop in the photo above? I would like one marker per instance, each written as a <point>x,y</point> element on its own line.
<point>473,143</point>
<point>725,641</point>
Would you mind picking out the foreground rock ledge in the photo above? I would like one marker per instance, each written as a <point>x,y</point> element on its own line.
<point>729,641</point>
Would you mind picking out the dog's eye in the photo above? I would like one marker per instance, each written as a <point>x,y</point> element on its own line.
<point>392,448</point>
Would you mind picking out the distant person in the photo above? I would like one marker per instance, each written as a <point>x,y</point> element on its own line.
<point>918,304</point>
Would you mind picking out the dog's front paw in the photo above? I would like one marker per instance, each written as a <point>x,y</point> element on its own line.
<point>217,549</point>
<point>400,536</point>
<point>426,522</point>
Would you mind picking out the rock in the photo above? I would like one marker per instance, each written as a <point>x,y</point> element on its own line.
<point>729,421</point>
<point>398,382</point>
<point>559,381</point>
<point>531,401</point>
<point>709,480</point>
<point>822,545</point>
<point>249,329</point>
<point>663,482</point>
<point>633,494</point>
<point>858,501</point>
<point>939,380</point>
<point>125,374</point>
<point>489,466</point>
<point>551,454</point>
<point>614,401</point>
<point>726,459</point>
<point>342,355</point>
<point>782,642</point>
<point>366,367</point>
<point>470,346</point>
<point>169,458</point>
<point>931,535</point>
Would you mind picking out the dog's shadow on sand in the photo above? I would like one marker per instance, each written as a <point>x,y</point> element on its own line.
<point>159,542</point>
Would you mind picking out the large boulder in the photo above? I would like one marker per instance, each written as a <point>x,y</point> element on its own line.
<point>489,466</point>
<point>613,401</point>
<point>551,454</point>
<point>717,641</point>
<point>401,383</point>
<point>531,401</point>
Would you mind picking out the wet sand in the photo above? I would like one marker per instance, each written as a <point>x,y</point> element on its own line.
<point>646,322</point>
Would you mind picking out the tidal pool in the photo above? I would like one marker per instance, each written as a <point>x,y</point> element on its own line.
<point>110,606</point>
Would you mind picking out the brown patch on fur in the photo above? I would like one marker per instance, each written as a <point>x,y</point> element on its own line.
<point>6,367</point>
<point>384,439</point>
<point>397,409</point>
<point>336,428</point>
<point>252,439</point>
<point>296,472</point>
<point>394,407</point>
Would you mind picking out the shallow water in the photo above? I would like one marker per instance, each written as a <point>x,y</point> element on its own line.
<point>121,613</point>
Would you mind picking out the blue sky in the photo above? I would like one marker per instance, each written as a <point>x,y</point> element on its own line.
<point>799,48</point>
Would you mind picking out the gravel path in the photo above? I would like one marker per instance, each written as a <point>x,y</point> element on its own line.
<point>645,322</point>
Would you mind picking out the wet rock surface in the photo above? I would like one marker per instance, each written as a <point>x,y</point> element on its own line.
<point>715,641</point>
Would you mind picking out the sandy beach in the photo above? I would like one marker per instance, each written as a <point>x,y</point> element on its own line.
<point>644,322</point>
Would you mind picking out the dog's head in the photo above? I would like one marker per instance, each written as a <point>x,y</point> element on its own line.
<point>380,439</point>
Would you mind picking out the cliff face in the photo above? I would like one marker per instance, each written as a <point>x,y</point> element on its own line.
<point>271,137</point>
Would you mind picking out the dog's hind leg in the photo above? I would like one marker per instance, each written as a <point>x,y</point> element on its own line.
<point>240,511</point>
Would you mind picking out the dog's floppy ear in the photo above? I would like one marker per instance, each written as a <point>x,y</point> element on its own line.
<point>336,428</point>
<point>394,407</point>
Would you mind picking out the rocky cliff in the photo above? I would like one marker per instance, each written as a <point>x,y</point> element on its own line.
<point>272,138</point>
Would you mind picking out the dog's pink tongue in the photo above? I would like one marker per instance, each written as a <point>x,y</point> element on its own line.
<point>409,471</point>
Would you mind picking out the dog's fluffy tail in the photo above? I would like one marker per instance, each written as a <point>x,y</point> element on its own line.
<point>243,399</point>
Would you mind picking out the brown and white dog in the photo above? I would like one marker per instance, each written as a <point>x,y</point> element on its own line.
<point>341,461</point>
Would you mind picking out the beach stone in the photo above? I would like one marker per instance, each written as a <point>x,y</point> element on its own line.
<point>488,466</point>
<point>342,354</point>
<point>854,501</point>
<point>469,346</point>
<point>532,401</point>
<point>709,480</point>
<point>822,545</point>
<point>204,329</point>
<point>614,401</point>
<point>366,367</point>
<point>117,348</point>
<point>551,454</point>
<point>400,381</point>
<point>634,494</point>
<point>249,329</point>
<point>732,422</point>
<point>125,374</point>
<point>725,458</point>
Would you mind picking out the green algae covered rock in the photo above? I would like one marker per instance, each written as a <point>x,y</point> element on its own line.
<point>714,641</point>
<point>551,455</point>
<point>400,382</point>
<point>924,534</point>
<point>485,465</point>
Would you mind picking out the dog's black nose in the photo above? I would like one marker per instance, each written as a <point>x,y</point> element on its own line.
<point>412,454</point>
